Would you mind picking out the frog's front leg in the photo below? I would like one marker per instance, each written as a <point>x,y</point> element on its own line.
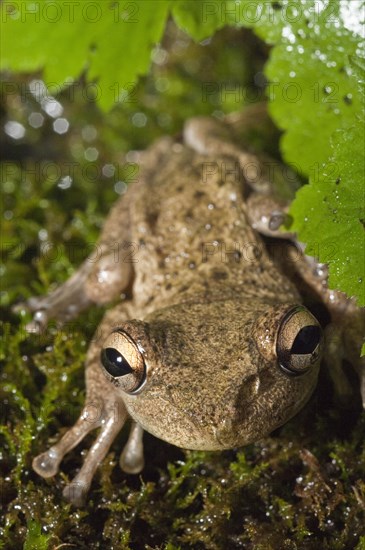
<point>103,409</point>
<point>111,416</point>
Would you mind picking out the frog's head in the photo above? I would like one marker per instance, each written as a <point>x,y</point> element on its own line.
<point>215,375</point>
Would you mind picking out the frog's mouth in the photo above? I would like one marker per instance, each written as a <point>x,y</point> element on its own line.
<point>179,426</point>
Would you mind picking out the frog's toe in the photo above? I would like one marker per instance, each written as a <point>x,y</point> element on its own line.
<point>132,460</point>
<point>77,490</point>
<point>40,317</point>
<point>38,323</point>
<point>75,493</point>
<point>47,464</point>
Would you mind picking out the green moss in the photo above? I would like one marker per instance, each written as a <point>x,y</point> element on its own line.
<point>35,540</point>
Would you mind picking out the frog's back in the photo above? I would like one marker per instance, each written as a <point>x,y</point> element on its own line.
<point>190,228</point>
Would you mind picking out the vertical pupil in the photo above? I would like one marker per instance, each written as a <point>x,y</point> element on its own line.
<point>115,363</point>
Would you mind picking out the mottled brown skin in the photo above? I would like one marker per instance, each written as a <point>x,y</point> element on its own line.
<point>207,303</point>
<point>209,387</point>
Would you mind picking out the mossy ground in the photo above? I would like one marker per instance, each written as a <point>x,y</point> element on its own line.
<point>302,488</point>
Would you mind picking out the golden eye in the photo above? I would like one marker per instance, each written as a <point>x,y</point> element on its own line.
<point>300,341</point>
<point>123,361</point>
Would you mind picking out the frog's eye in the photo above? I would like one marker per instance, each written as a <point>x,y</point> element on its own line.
<point>299,342</point>
<point>123,361</point>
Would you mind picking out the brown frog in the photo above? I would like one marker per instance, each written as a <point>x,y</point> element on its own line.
<point>212,349</point>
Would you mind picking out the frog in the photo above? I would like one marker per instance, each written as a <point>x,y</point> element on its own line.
<point>207,345</point>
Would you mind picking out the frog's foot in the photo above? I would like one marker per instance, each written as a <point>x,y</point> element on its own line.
<point>131,460</point>
<point>63,304</point>
<point>111,421</point>
<point>266,215</point>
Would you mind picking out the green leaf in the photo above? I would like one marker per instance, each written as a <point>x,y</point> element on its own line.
<point>315,74</point>
<point>363,350</point>
<point>111,40</point>
<point>35,540</point>
<point>312,86</point>
<point>329,213</point>
<point>199,18</point>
